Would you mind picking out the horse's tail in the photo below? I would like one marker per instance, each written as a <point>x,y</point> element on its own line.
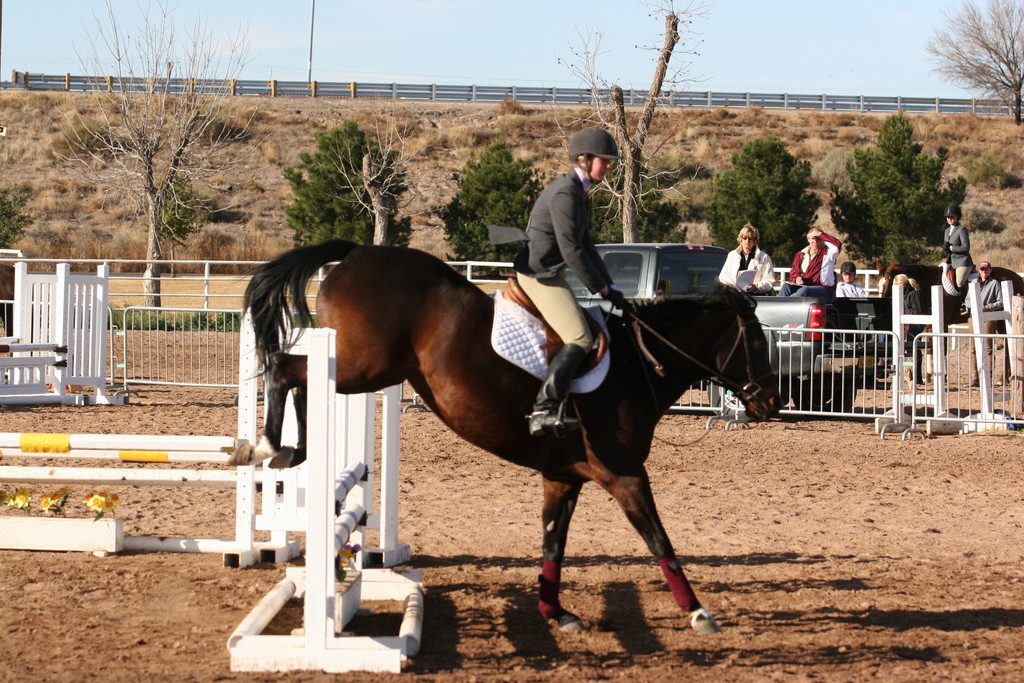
<point>276,294</point>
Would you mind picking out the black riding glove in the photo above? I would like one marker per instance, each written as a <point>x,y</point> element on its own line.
<point>618,300</point>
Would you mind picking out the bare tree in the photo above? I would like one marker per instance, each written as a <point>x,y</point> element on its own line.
<point>381,174</point>
<point>159,122</point>
<point>378,182</point>
<point>983,47</point>
<point>611,111</point>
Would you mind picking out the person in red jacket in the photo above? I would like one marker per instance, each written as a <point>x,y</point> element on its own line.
<point>813,272</point>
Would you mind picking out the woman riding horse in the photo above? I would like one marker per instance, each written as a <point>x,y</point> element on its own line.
<point>403,315</point>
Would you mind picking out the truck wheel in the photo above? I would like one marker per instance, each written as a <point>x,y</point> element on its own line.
<point>836,398</point>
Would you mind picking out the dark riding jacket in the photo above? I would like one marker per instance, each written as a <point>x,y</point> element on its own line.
<point>559,233</point>
<point>956,242</point>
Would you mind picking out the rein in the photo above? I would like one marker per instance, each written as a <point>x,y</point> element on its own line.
<point>744,393</point>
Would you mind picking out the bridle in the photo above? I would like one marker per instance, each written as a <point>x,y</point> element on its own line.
<point>752,391</point>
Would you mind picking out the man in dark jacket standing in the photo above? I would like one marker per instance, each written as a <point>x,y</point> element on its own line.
<point>559,236</point>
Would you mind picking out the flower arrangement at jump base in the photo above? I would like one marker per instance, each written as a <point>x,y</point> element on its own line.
<point>101,502</point>
<point>347,559</point>
<point>55,502</point>
<point>21,499</point>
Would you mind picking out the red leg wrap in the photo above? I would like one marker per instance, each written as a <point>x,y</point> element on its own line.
<point>681,589</point>
<point>550,582</point>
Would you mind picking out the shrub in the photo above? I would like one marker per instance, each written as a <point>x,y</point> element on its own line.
<point>510,106</point>
<point>982,218</point>
<point>84,138</point>
<point>987,169</point>
<point>833,170</point>
<point>195,321</point>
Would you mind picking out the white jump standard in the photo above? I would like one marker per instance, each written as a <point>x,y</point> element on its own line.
<point>336,471</point>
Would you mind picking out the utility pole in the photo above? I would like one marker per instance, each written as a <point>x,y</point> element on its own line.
<point>309,69</point>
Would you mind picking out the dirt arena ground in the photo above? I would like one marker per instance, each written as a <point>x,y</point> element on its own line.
<point>824,552</point>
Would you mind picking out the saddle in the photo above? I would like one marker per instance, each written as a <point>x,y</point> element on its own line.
<point>948,279</point>
<point>552,342</point>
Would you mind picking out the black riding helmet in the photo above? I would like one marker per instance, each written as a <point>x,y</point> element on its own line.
<point>593,141</point>
<point>953,210</point>
<point>848,267</point>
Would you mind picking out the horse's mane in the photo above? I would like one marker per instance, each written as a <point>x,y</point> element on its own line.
<point>675,309</point>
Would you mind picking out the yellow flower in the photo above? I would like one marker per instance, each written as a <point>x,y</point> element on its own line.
<point>21,500</point>
<point>54,502</point>
<point>101,502</point>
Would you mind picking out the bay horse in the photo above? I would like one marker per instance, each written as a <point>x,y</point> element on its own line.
<point>7,295</point>
<point>404,315</point>
<point>928,276</point>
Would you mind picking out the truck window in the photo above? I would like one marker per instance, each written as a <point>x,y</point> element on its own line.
<point>692,272</point>
<point>625,267</point>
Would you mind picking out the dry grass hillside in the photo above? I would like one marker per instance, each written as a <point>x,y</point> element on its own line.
<point>77,219</point>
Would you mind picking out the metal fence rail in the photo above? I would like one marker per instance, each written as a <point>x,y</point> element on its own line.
<point>846,373</point>
<point>869,375</point>
<point>183,347</point>
<point>969,400</point>
<point>527,94</point>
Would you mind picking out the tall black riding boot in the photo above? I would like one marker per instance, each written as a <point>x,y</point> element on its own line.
<point>962,292</point>
<point>546,416</point>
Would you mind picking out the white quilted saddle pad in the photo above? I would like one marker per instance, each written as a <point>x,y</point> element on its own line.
<point>517,336</point>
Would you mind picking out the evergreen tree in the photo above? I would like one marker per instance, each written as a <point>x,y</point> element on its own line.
<point>13,217</point>
<point>768,188</point>
<point>894,210</point>
<point>494,189</point>
<point>330,198</point>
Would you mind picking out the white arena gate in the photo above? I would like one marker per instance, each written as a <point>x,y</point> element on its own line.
<point>59,338</point>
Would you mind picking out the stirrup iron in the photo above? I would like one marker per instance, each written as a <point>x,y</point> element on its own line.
<point>543,421</point>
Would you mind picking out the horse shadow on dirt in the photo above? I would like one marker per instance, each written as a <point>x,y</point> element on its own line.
<point>502,618</point>
<point>745,560</point>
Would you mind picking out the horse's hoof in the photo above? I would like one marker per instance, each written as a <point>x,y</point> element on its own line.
<point>283,459</point>
<point>702,622</point>
<point>570,623</point>
<point>242,456</point>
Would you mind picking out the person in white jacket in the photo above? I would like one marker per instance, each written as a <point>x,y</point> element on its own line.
<point>758,275</point>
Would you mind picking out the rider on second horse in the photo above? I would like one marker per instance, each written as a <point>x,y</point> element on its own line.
<point>956,247</point>
<point>559,236</point>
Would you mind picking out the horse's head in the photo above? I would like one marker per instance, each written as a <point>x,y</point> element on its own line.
<point>886,273</point>
<point>717,336</point>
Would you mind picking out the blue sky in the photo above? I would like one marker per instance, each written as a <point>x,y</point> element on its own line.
<point>871,47</point>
